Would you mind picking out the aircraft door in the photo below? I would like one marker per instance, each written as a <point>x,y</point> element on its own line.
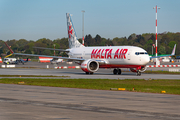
<point>83,56</point>
<point>129,55</point>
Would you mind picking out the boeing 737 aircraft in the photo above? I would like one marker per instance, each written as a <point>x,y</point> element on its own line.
<point>92,58</point>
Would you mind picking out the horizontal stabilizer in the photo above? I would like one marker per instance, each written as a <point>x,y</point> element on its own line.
<point>62,50</point>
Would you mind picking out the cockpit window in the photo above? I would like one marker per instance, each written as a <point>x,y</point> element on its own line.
<point>141,53</point>
<point>137,53</point>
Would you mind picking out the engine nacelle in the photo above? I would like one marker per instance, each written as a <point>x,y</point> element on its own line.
<point>90,66</point>
<point>140,69</point>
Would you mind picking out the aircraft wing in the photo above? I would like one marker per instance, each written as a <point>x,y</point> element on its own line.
<point>62,50</point>
<point>160,56</point>
<point>66,58</point>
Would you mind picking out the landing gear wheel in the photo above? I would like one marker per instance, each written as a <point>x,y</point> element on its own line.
<point>115,71</point>
<point>119,71</point>
<point>138,73</point>
<point>87,73</point>
<point>91,73</point>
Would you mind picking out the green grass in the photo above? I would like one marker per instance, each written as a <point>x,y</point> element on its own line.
<point>150,86</point>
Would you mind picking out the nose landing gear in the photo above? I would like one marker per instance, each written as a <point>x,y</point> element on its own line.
<point>138,73</point>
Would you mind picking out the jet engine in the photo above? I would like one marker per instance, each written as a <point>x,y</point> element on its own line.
<point>90,66</point>
<point>140,69</point>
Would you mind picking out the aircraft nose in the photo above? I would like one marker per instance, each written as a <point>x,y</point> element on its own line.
<point>146,59</point>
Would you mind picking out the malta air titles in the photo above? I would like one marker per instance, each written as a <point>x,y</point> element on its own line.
<point>108,54</point>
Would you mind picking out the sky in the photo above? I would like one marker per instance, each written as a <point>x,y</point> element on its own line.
<point>36,19</point>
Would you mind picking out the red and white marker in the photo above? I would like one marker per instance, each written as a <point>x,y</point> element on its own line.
<point>156,31</point>
<point>45,59</point>
<point>83,40</point>
<point>67,67</point>
<point>163,66</point>
<point>0,60</point>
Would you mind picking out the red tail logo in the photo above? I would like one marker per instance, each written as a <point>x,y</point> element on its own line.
<point>70,31</point>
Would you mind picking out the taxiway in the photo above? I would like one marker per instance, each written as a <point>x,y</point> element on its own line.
<point>78,73</point>
<point>37,102</point>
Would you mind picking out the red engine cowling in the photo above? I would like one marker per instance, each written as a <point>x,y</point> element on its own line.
<point>90,66</point>
<point>140,69</point>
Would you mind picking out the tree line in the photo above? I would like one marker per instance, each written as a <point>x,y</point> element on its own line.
<point>166,43</point>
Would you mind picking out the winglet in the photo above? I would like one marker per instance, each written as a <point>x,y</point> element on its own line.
<point>9,48</point>
<point>174,49</point>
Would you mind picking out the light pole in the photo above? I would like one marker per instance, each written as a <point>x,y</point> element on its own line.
<point>156,30</point>
<point>83,26</point>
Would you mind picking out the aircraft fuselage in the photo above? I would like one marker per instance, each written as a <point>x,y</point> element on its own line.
<point>114,56</point>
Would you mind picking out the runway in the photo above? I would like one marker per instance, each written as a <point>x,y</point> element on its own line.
<point>33,102</point>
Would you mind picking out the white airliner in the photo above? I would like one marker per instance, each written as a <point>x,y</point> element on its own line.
<point>168,58</point>
<point>92,58</point>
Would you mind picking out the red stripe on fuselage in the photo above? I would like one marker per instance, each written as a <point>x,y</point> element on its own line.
<point>120,66</point>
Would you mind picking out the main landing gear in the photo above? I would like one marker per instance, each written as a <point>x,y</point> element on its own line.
<point>117,71</point>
